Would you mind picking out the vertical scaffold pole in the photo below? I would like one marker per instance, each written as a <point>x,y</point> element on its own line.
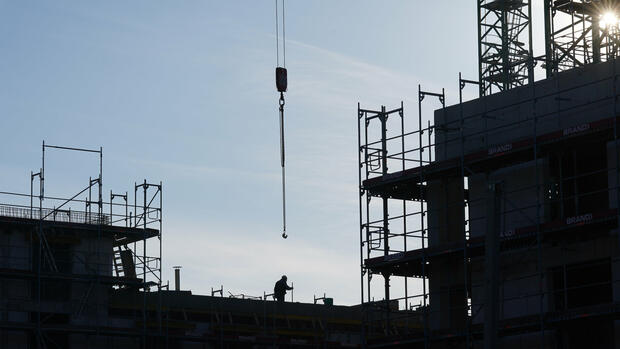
<point>462,84</point>
<point>386,230</point>
<point>401,113</point>
<point>422,231</point>
<point>360,115</point>
<point>491,265</point>
<point>464,207</point>
<point>368,198</point>
<point>540,268</point>
<point>614,82</point>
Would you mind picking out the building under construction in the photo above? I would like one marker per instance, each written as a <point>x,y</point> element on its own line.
<point>493,226</point>
<point>496,225</point>
<point>85,272</point>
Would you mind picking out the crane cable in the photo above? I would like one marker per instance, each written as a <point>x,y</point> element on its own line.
<point>281,101</point>
<point>281,84</point>
<point>278,37</point>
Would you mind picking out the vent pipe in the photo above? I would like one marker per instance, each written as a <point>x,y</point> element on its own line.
<point>177,277</point>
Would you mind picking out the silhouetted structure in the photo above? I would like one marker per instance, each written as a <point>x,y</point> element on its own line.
<point>92,278</point>
<point>580,32</point>
<point>498,223</point>
<point>504,44</point>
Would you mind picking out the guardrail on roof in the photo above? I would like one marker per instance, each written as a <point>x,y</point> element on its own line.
<point>48,214</point>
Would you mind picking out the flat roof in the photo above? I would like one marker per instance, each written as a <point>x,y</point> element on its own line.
<point>122,235</point>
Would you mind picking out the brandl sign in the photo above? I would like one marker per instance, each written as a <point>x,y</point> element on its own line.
<point>500,148</point>
<point>581,219</point>
<point>575,129</point>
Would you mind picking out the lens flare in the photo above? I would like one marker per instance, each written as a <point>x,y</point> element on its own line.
<point>608,19</point>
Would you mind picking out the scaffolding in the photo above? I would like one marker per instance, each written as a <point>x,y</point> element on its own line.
<point>91,277</point>
<point>576,33</point>
<point>504,44</point>
<point>59,265</point>
<point>498,221</point>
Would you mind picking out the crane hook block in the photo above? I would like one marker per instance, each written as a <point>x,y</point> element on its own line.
<point>281,81</point>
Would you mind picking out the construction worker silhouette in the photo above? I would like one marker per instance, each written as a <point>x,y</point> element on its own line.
<point>279,290</point>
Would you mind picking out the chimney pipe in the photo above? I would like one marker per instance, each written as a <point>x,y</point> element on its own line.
<point>177,277</point>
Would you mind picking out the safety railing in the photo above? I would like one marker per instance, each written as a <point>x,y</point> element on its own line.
<point>67,216</point>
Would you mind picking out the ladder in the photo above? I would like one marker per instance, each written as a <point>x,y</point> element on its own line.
<point>124,265</point>
<point>118,262</point>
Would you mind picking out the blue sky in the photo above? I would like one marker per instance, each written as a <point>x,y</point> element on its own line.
<point>184,92</point>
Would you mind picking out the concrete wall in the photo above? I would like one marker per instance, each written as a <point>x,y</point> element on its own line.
<point>14,254</point>
<point>519,293</point>
<point>445,225</point>
<point>563,103</point>
<point>613,152</point>
<point>518,206</point>
<point>519,288</point>
<point>519,197</point>
<point>612,173</point>
<point>570,99</point>
<point>13,339</point>
<point>447,307</point>
<point>85,302</point>
<point>528,340</point>
<point>91,256</point>
<point>14,248</point>
<point>445,211</point>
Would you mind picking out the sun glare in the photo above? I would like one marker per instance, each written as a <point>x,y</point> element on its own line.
<point>608,19</point>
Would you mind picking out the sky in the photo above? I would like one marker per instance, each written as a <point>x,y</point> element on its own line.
<point>183,92</point>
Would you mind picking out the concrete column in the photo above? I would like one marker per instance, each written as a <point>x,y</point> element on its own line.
<point>491,268</point>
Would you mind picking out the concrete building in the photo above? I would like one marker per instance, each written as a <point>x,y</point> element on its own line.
<point>504,224</point>
<point>496,219</point>
<point>89,279</point>
<point>491,224</point>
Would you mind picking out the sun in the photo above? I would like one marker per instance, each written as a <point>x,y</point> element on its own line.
<point>608,19</point>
